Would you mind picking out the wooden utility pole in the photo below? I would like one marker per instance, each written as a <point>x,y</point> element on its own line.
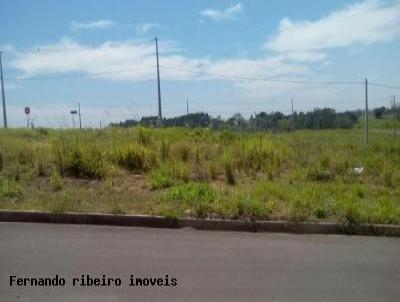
<point>3,94</point>
<point>366,113</point>
<point>158,86</point>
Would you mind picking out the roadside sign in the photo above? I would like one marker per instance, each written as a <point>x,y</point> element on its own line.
<point>27,110</point>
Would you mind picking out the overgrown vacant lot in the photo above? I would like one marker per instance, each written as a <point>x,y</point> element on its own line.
<point>306,175</point>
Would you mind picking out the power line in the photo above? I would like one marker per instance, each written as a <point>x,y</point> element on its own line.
<point>384,85</point>
<point>76,76</point>
<point>233,77</point>
<point>262,79</point>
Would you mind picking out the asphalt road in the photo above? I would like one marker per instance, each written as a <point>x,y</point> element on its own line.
<point>209,266</point>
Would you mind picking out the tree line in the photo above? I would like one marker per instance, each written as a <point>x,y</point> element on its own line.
<point>325,118</point>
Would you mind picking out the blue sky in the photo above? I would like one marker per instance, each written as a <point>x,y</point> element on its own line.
<point>102,55</point>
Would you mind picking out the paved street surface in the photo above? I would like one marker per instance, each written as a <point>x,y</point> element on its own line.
<point>209,266</point>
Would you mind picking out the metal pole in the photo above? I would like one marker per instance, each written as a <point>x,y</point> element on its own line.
<point>159,88</point>
<point>80,120</point>
<point>366,112</point>
<point>2,94</point>
<point>187,107</point>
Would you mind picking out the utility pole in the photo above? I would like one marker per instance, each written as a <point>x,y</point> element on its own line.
<point>366,112</point>
<point>187,107</point>
<point>2,94</point>
<point>79,112</point>
<point>292,116</point>
<point>394,117</point>
<point>158,86</point>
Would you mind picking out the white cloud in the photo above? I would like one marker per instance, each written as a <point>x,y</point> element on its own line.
<point>135,61</point>
<point>304,56</point>
<point>144,28</point>
<point>7,48</point>
<point>362,23</point>
<point>98,24</point>
<point>127,61</point>
<point>256,68</point>
<point>228,14</point>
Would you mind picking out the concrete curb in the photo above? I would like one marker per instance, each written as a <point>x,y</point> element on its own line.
<point>200,224</point>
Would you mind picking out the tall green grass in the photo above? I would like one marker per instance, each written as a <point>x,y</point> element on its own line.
<point>305,175</point>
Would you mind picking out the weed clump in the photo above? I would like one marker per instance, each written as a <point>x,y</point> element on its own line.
<point>41,166</point>
<point>26,156</point>
<point>56,180</point>
<point>87,161</point>
<point>182,151</point>
<point>143,136</point>
<point>164,151</point>
<point>249,207</point>
<point>10,189</point>
<point>199,196</point>
<point>43,131</point>
<point>229,173</point>
<point>135,158</point>
<point>160,181</point>
<point>318,174</point>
